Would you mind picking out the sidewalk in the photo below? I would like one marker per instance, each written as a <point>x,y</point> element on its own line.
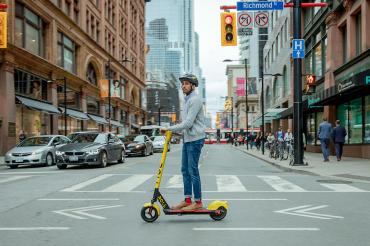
<point>348,168</point>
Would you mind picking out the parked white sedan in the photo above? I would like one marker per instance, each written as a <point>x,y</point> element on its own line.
<point>158,143</point>
<point>38,150</point>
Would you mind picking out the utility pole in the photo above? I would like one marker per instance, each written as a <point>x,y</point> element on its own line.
<point>297,96</point>
<point>246,98</point>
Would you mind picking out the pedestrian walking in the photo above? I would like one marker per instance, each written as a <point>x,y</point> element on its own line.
<point>338,136</point>
<point>22,136</point>
<point>323,134</point>
<point>193,127</point>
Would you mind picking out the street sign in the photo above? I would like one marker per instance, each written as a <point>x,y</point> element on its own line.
<point>367,80</point>
<point>260,6</point>
<point>244,19</point>
<point>298,49</point>
<point>245,31</point>
<point>261,19</point>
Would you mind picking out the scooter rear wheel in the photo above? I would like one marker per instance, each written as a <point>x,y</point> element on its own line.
<point>219,214</point>
<point>149,214</point>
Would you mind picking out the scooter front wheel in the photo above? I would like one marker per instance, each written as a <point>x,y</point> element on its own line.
<point>219,213</point>
<point>149,214</point>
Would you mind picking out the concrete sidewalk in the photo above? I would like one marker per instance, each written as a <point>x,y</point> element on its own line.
<point>348,168</point>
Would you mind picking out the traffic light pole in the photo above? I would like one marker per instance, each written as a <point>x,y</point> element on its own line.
<point>246,98</point>
<point>297,92</point>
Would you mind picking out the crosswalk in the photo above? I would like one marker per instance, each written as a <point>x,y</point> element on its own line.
<point>123,183</point>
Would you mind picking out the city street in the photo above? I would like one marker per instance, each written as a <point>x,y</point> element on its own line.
<point>101,206</point>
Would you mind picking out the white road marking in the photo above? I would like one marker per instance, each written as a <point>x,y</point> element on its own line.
<point>82,211</point>
<point>229,183</point>
<point>7,173</point>
<point>302,211</point>
<point>78,199</point>
<point>175,182</point>
<point>342,188</point>
<point>247,199</point>
<point>128,184</point>
<point>10,179</point>
<point>280,184</point>
<point>32,228</point>
<point>88,182</point>
<point>255,229</point>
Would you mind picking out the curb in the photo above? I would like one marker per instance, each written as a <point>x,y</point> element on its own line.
<point>287,169</point>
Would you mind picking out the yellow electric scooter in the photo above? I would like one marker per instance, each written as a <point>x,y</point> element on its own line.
<point>217,210</point>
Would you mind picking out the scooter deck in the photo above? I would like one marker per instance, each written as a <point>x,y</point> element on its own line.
<point>195,211</point>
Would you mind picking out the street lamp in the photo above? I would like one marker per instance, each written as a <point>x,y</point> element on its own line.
<point>263,107</point>
<point>109,88</point>
<point>245,61</point>
<point>64,79</point>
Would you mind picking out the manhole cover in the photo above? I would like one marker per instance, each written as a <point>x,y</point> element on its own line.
<point>334,181</point>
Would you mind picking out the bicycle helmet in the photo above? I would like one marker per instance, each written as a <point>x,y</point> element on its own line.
<point>191,78</point>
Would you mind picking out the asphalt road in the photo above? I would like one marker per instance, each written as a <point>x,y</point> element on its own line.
<point>93,206</point>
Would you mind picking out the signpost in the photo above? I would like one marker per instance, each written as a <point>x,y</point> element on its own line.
<point>259,6</point>
<point>298,49</point>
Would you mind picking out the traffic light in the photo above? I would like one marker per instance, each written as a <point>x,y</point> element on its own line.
<point>228,29</point>
<point>310,84</point>
<point>3,29</point>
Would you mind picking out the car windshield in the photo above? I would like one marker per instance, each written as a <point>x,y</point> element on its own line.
<point>139,139</point>
<point>35,141</point>
<point>90,138</point>
<point>158,138</point>
<point>129,138</point>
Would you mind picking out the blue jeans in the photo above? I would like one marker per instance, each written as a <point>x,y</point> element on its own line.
<point>325,148</point>
<point>190,172</point>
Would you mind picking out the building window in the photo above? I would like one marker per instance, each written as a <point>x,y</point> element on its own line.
<point>344,43</point>
<point>91,74</point>
<point>72,99</point>
<point>30,85</point>
<point>358,34</point>
<point>66,53</point>
<point>350,115</point>
<point>93,105</point>
<point>367,120</point>
<point>28,30</point>
<point>318,61</point>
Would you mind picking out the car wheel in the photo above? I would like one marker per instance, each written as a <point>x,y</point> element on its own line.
<point>103,159</point>
<point>13,166</point>
<point>123,157</point>
<point>145,153</point>
<point>49,160</point>
<point>62,166</point>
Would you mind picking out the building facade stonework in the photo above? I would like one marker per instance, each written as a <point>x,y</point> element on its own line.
<point>53,42</point>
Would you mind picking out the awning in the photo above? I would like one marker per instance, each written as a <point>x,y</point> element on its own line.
<point>75,114</point>
<point>116,123</point>
<point>274,112</point>
<point>38,105</point>
<point>98,119</point>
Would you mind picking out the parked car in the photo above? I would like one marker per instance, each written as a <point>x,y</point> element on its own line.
<point>138,145</point>
<point>95,149</point>
<point>38,150</point>
<point>158,143</point>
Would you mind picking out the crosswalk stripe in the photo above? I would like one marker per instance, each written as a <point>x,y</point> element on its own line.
<point>280,184</point>
<point>13,178</point>
<point>229,183</point>
<point>342,188</point>
<point>175,182</point>
<point>128,184</point>
<point>88,182</point>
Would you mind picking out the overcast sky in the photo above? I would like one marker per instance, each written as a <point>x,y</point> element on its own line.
<point>207,25</point>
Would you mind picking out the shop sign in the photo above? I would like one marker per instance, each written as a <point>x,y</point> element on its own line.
<point>367,80</point>
<point>345,85</point>
<point>313,100</point>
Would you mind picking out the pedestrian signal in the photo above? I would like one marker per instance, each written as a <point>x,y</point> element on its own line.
<point>3,29</point>
<point>228,29</point>
<point>310,84</point>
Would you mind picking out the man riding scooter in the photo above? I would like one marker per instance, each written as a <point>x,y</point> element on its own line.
<point>193,128</point>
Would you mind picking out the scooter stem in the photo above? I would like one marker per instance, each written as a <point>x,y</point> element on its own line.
<point>163,160</point>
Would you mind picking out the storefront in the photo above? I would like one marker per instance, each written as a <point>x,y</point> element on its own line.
<point>349,101</point>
